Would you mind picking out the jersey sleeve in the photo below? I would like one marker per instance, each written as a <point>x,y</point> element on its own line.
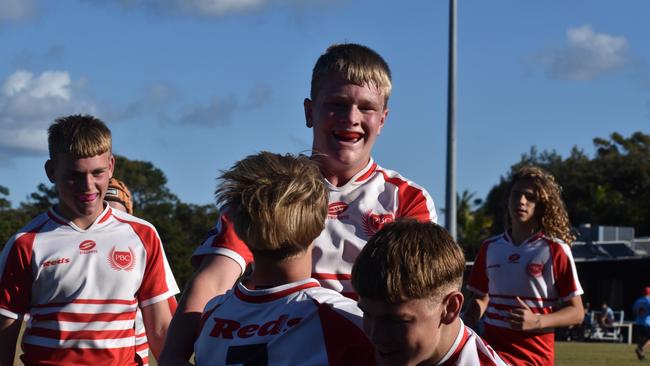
<point>564,272</point>
<point>223,240</point>
<point>415,202</point>
<point>158,283</point>
<point>16,276</point>
<point>478,281</point>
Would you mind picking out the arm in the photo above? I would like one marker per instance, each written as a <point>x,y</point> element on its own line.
<point>571,313</point>
<point>9,329</point>
<point>475,309</point>
<point>216,275</point>
<point>156,318</point>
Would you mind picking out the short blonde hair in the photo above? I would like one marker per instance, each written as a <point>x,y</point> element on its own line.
<point>408,260</point>
<point>550,209</point>
<point>83,136</point>
<point>278,203</point>
<point>359,64</point>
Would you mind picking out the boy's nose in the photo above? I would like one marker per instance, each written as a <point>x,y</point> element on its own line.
<point>352,115</point>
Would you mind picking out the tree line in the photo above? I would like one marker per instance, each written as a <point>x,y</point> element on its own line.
<point>612,187</point>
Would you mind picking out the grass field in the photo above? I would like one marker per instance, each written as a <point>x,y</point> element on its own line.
<point>576,354</point>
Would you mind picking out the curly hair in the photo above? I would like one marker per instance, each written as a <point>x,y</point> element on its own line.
<point>550,208</point>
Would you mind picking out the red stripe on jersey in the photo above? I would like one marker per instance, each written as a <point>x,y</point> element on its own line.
<point>411,200</point>
<point>227,238</point>
<point>345,343</point>
<point>367,174</point>
<point>108,214</point>
<point>565,282</point>
<point>272,296</point>
<point>17,278</point>
<point>84,317</point>
<point>154,281</point>
<point>485,360</point>
<point>82,334</point>
<point>534,309</point>
<point>478,278</point>
<point>551,299</point>
<point>34,355</point>
<point>519,347</point>
<point>331,276</point>
<point>88,301</point>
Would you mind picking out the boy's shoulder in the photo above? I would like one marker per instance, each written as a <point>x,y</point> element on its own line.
<point>34,226</point>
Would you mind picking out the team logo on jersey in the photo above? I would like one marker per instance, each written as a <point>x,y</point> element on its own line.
<point>335,209</point>
<point>229,329</point>
<point>54,262</point>
<point>120,260</point>
<point>514,258</point>
<point>374,222</point>
<point>87,247</point>
<point>535,269</point>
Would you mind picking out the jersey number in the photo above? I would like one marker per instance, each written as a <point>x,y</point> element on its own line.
<point>248,355</point>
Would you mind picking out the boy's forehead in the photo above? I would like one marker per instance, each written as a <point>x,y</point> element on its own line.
<point>70,161</point>
<point>335,82</point>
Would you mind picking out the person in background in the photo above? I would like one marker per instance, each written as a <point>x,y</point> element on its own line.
<point>119,197</point>
<point>606,317</point>
<point>641,310</point>
<point>525,280</point>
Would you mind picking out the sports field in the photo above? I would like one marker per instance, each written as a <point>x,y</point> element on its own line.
<point>577,354</point>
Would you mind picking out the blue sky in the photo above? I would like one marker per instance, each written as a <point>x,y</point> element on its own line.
<point>195,85</point>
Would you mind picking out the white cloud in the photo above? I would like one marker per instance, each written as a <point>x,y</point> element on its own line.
<point>29,103</point>
<point>587,55</point>
<point>207,8</point>
<point>215,8</point>
<point>12,10</point>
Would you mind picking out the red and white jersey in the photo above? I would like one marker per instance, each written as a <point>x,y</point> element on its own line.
<point>82,287</point>
<point>469,349</point>
<point>298,323</point>
<point>541,272</point>
<point>357,210</point>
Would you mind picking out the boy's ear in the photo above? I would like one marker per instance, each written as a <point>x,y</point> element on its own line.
<point>452,307</point>
<point>49,170</point>
<point>308,112</point>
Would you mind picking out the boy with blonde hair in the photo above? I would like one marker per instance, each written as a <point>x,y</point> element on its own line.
<point>346,111</point>
<point>408,278</point>
<point>278,206</point>
<point>82,269</point>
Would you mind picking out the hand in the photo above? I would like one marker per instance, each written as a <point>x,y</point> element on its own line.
<point>522,318</point>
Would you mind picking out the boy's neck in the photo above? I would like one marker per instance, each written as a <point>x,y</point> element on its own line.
<point>338,176</point>
<point>272,273</point>
<point>448,335</point>
<point>520,231</point>
<point>82,222</point>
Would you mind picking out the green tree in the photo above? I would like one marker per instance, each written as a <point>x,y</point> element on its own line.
<point>610,188</point>
<point>473,224</point>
